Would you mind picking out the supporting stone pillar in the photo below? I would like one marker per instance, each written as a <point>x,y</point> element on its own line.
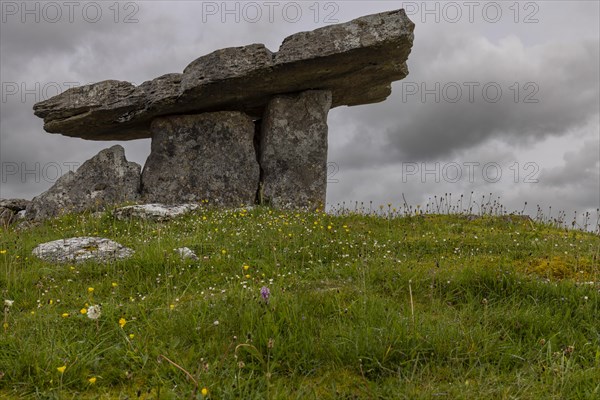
<point>293,150</point>
<point>205,156</point>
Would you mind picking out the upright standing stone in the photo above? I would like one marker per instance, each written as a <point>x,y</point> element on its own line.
<point>203,156</point>
<point>293,150</point>
<point>106,179</point>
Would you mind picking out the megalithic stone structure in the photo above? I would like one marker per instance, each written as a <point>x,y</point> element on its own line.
<point>204,115</point>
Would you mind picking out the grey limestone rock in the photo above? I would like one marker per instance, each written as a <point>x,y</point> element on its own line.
<point>356,61</point>
<point>293,150</point>
<point>106,179</point>
<point>154,212</point>
<point>81,249</point>
<point>208,156</point>
<point>12,210</point>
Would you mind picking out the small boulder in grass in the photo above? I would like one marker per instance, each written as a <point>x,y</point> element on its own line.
<point>154,212</point>
<point>81,249</point>
<point>186,254</point>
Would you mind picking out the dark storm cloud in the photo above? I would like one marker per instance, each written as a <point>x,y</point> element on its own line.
<point>472,90</point>
<point>580,167</point>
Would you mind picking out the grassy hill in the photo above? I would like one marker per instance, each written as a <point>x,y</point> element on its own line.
<point>359,307</point>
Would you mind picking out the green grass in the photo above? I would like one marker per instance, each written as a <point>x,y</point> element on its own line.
<point>361,307</point>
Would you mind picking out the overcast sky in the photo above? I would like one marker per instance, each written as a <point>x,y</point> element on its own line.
<point>502,97</point>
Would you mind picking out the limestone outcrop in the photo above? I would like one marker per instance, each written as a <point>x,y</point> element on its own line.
<point>106,179</point>
<point>356,61</point>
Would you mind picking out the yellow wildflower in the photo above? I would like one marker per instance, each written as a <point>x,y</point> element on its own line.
<point>62,369</point>
<point>90,290</point>
<point>83,311</point>
<point>204,391</point>
<point>2,251</point>
<point>65,315</point>
<point>92,380</point>
<point>115,284</point>
<point>122,322</point>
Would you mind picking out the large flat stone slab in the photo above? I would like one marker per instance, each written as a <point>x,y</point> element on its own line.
<point>356,61</point>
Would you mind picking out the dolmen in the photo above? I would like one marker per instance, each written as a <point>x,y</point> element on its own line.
<point>239,126</point>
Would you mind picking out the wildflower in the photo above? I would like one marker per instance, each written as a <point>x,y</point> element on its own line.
<point>122,322</point>
<point>5,325</point>
<point>223,251</point>
<point>204,391</point>
<point>8,303</point>
<point>265,293</point>
<point>83,311</point>
<point>62,369</point>
<point>2,251</point>
<point>247,276</point>
<point>90,290</point>
<point>94,312</point>
<point>246,267</point>
<point>115,284</point>
<point>65,315</point>
<point>216,323</point>
<point>92,380</point>
<point>131,336</point>
<point>171,306</point>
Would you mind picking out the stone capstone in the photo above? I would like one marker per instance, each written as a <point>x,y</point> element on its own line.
<point>153,212</point>
<point>81,249</point>
<point>356,61</point>
<point>208,156</point>
<point>293,150</point>
<point>106,179</point>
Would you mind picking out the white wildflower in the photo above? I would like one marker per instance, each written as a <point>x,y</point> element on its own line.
<point>8,303</point>
<point>94,312</point>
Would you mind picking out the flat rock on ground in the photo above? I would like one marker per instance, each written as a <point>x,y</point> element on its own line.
<point>81,249</point>
<point>154,212</point>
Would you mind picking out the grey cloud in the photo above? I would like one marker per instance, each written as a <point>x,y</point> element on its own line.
<point>426,129</point>
<point>581,169</point>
